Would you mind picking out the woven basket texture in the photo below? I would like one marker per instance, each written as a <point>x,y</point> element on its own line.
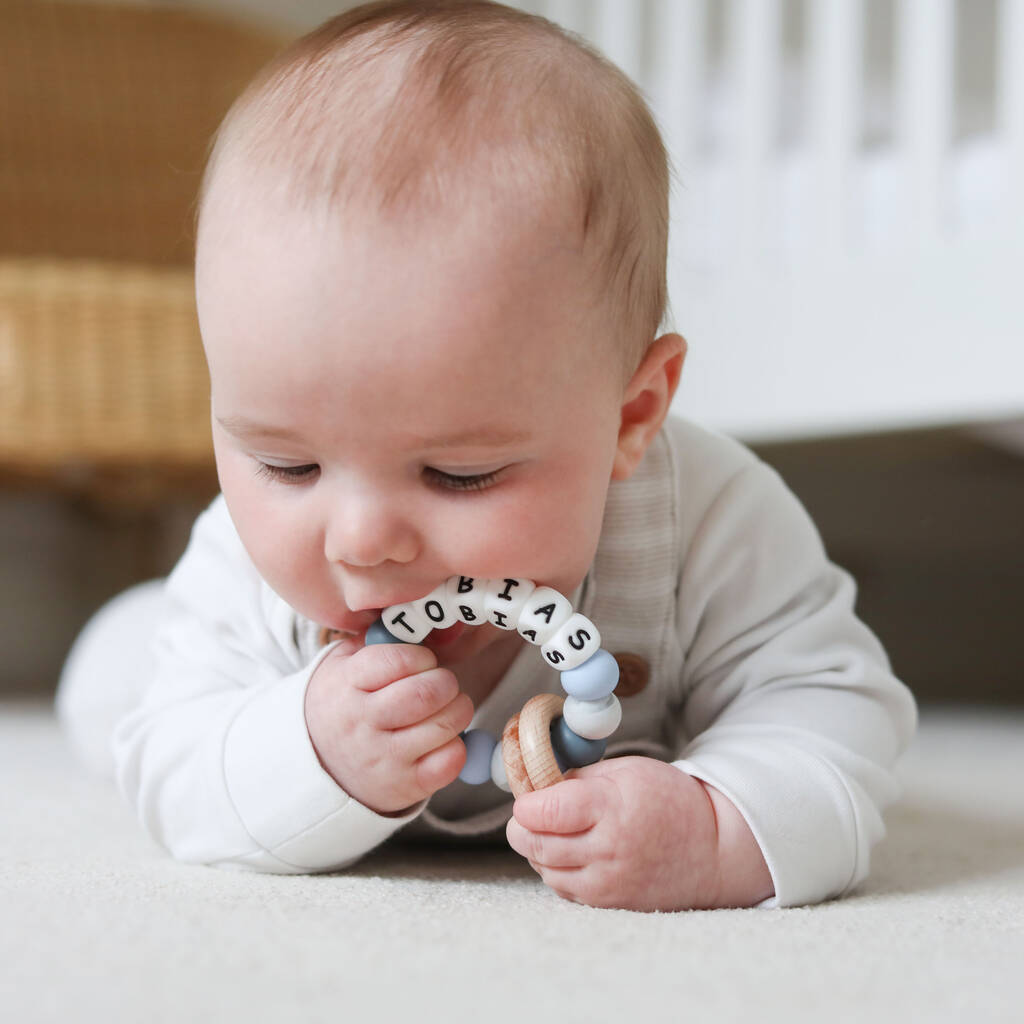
<point>106,112</point>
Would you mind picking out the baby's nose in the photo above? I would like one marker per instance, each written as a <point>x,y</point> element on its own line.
<point>366,531</point>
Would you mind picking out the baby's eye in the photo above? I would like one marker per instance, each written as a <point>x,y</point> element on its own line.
<point>287,474</point>
<point>454,482</point>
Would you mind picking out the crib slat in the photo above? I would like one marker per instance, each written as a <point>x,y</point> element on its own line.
<point>834,90</point>
<point>925,77</point>
<point>753,39</point>
<point>1010,103</point>
<point>618,30</point>
<point>677,74</point>
<point>570,14</point>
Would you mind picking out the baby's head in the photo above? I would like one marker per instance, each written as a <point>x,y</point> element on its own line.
<point>430,273</point>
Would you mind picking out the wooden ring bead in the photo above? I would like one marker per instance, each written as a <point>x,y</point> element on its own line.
<point>512,756</point>
<point>535,739</point>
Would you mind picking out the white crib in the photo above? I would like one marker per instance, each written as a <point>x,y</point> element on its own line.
<point>848,213</point>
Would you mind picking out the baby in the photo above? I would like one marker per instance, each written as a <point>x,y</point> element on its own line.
<point>430,275</point>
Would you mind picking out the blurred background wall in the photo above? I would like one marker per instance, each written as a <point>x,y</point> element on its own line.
<point>848,228</point>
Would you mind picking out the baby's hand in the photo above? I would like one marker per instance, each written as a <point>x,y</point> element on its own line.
<point>634,833</point>
<point>385,723</point>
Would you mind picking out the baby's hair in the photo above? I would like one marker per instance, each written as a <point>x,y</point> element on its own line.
<point>410,104</point>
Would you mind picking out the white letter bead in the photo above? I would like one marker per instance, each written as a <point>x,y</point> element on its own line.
<point>543,615</point>
<point>592,719</point>
<point>406,622</point>
<point>504,600</point>
<point>573,644</point>
<point>437,608</point>
<point>466,598</point>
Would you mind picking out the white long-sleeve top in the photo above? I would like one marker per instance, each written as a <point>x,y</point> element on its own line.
<point>763,684</point>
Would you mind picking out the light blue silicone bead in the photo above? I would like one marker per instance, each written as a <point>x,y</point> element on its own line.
<point>595,678</point>
<point>479,749</point>
<point>572,751</point>
<point>378,634</point>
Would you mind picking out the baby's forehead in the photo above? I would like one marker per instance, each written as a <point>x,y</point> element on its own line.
<point>407,122</point>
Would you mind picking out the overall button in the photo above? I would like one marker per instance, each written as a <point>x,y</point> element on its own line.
<point>634,674</point>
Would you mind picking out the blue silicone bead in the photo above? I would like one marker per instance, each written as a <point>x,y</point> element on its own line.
<point>595,678</point>
<point>479,749</point>
<point>378,634</point>
<point>572,751</point>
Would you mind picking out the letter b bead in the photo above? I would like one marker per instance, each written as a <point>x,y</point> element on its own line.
<point>572,644</point>
<point>465,596</point>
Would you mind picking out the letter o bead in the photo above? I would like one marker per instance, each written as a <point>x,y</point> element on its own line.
<point>573,644</point>
<point>438,608</point>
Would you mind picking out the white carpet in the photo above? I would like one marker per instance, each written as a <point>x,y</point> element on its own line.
<point>97,924</point>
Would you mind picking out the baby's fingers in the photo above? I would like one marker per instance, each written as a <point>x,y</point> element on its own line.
<point>412,700</point>
<point>573,805</point>
<point>545,850</point>
<point>415,741</point>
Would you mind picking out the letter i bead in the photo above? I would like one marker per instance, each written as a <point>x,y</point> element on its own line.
<point>504,600</point>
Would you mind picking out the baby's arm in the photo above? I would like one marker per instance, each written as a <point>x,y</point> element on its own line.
<point>795,721</point>
<point>218,761</point>
<point>793,712</point>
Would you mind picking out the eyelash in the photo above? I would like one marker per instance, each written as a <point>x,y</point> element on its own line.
<point>450,482</point>
<point>285,474</point>
<point>447,481</point>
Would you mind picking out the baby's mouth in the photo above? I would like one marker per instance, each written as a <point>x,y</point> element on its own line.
<point>438,638</point>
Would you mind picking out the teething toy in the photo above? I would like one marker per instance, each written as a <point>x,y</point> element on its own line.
<point>551,734</point>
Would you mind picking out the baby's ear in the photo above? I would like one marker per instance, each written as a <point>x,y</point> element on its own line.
<point>646,401</point>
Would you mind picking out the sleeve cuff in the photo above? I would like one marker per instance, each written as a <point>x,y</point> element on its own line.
<point>290,806</point>
<point>815,835</point>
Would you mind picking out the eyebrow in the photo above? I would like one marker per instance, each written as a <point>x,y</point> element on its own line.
<point>244,427</point>
<point>484,438</point>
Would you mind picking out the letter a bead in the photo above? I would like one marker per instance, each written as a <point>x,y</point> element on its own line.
<point>573,644</point>
<point>543,615</point>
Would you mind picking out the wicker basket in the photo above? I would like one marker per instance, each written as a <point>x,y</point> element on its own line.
<point>100,363</point>
<point>105,115</point>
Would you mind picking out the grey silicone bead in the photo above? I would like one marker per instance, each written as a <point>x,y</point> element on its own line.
<point>572,751</point>
<point>378,634</point>
<point>479,748</point>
